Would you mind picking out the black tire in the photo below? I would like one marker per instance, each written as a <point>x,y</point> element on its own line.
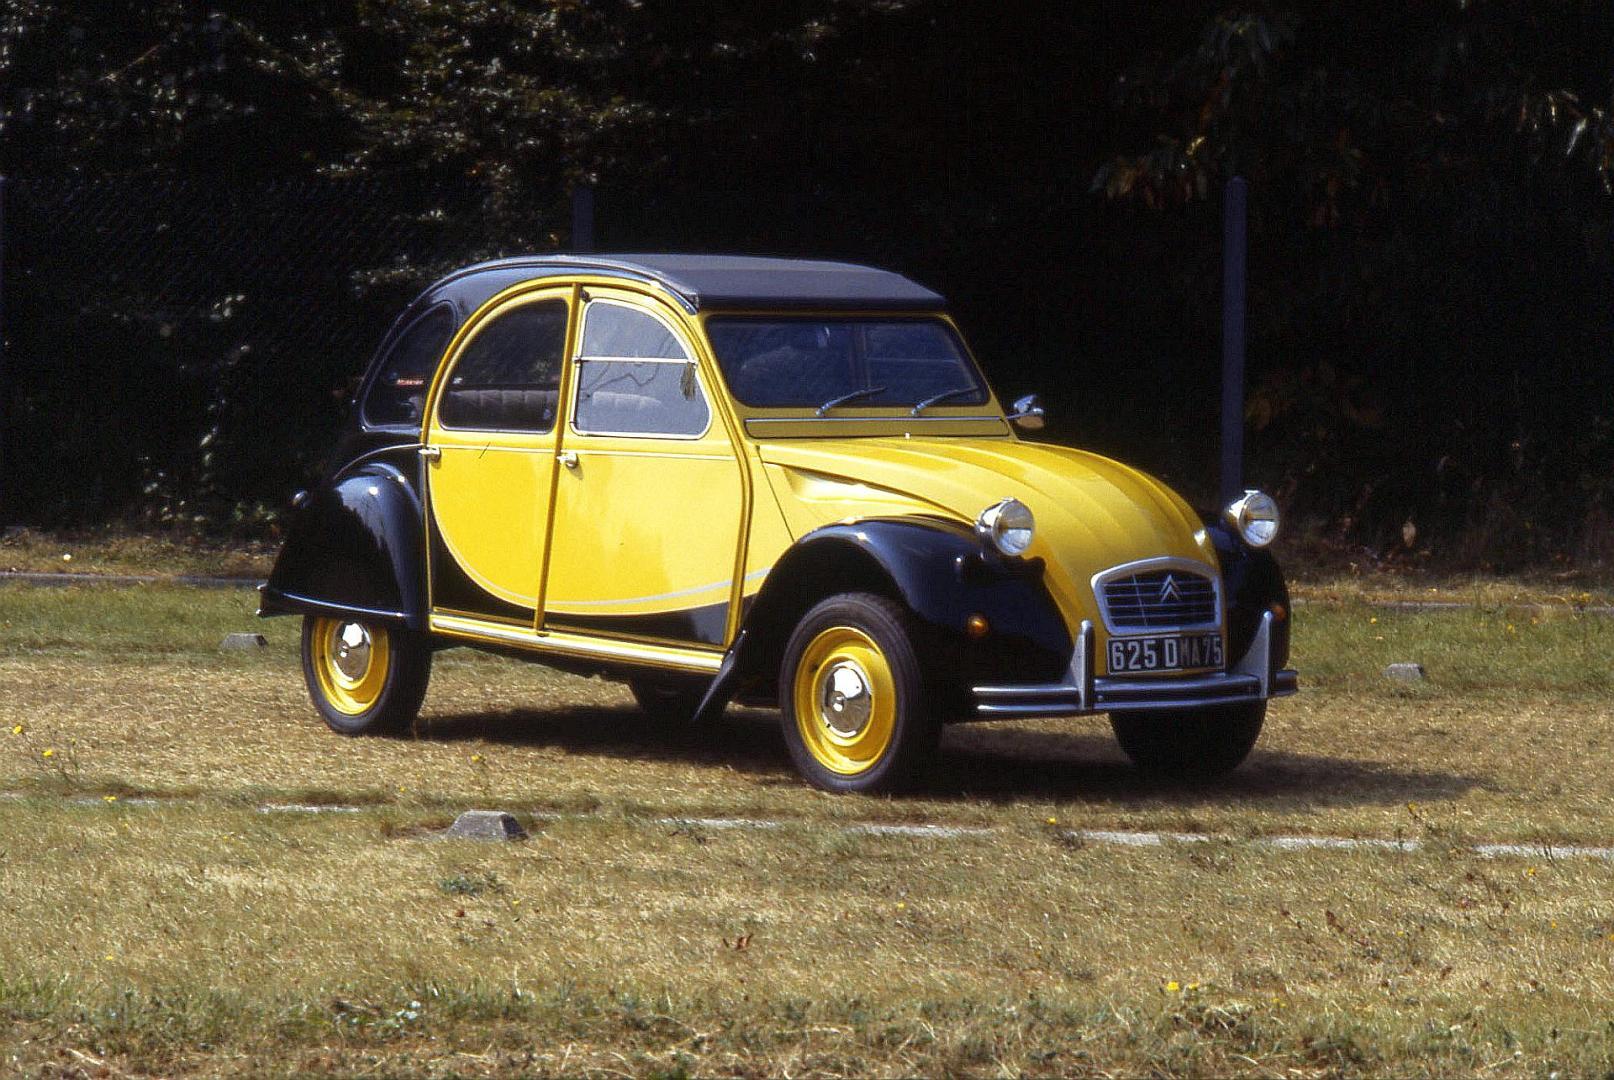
<point>852,658</point>
<point>382,700</point>
<point>668,703</point>
<point>1190,745</point>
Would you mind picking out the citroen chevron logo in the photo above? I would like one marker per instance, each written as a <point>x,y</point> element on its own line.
<point>1169,591</point>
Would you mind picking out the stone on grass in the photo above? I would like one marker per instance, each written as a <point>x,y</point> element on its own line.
<point>1407,672</point>
<point>244,641</point>
<point>485,825</point>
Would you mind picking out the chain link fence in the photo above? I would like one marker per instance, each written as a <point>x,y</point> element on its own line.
<point>183,352</point>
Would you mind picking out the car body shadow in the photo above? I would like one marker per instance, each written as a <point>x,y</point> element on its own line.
<point>982,762</point>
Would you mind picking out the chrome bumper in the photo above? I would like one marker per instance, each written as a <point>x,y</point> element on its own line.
<point>1253,678</point>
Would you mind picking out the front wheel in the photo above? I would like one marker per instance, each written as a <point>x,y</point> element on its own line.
<point>852,698</point>
<point>1190,744</point>
<point>366,678</point>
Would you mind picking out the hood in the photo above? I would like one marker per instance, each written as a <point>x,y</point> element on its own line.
<point>1092,513</point>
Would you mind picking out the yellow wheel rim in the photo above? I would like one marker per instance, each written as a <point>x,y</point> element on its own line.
<point>350,662</point>
<point>845,701</point>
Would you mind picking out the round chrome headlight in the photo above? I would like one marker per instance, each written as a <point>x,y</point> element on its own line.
<point>1007,526</point>
<point>1254,516</point>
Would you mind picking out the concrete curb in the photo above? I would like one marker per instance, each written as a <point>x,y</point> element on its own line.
<point>194,581</point>
<point>202,581</point>
<point>1141,838</point>
<point>1107,837</point>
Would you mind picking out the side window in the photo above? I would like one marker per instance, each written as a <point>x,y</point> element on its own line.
<point>398,395</point>
<point>508,377</point>
<point>634,378</point>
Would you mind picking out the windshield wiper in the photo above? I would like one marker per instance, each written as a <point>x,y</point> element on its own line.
<point>937,399</point>
<point>867,391</point>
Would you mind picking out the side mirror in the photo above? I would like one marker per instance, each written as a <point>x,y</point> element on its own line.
<point>1027,414</point>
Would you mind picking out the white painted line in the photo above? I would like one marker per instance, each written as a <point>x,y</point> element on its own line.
<point>1113,837</point>
<point>719,823</point>
<point>1542,851</point>
<point>1335,843</point>
<point>1140,839</point>
<point>297,808</point>
<point>939,831</point>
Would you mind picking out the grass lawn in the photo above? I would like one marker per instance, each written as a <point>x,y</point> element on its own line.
<point>196,934</point>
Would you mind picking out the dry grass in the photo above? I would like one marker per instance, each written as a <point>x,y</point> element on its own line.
<point>120,551</point>
<point>1476,590</point>
<point>211,939</point>
<point>1315,576</point>
<point>1486,747</point>
<point>202,936</point>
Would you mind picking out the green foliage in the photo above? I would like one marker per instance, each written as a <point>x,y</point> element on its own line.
<point>1432,191</point>
<point>468,883</point>
<point>1431,228</point>
<point>523,98</point>
<point>263,187</point>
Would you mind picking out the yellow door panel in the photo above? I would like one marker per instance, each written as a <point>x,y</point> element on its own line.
<point>649,513</point>
<point>491,437</point>
<point>489,504</point>
<point>644,544</point>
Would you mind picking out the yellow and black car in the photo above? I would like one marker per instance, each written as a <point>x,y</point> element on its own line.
<point>774,480</point>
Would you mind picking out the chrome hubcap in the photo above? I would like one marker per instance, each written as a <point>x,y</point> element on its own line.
<point>352,657</point>
<point>844,699</point>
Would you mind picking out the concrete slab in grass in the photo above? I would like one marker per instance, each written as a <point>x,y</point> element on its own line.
<point>485,825</point>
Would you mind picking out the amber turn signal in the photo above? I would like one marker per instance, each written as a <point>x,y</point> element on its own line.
<point>977,627</point>
<point>1279,612</point>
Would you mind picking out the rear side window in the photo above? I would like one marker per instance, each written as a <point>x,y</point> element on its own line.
<point>398,395</point>
<point>635,378</point>
<point>508,377</point>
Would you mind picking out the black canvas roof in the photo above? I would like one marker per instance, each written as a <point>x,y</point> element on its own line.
<point>712,282</point>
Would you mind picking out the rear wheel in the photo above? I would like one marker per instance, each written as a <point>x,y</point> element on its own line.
<point>365,678</point>
<point>1190,744</point>
<point>852,696</point>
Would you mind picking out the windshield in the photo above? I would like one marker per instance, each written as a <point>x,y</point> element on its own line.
<point>825,363</point>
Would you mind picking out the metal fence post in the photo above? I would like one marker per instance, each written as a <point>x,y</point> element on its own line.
<point>4,412</point>
<point>1235,251</point>
<point>583,218</point>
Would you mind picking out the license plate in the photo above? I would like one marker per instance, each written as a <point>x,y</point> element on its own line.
<point>1168,652</point>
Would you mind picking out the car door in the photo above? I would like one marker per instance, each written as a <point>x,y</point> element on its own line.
<point>490,445</point>
<point>650,502</point>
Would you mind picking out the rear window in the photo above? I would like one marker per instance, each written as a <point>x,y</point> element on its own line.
<point>398,395</point>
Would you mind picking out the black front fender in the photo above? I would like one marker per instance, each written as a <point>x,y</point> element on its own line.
<point>355,547</point>
<point>939,570</point>
<point>1252,583</point>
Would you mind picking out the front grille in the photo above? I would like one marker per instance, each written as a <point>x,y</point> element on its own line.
<point>1160,598</point>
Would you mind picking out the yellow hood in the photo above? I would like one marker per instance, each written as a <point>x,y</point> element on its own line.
<point>1092,513</point>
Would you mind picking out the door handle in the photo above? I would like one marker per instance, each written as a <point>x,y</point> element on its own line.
<point>567,458</point>
<point>430,453</point>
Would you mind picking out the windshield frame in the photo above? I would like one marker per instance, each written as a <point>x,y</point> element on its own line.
<point>983,405</point>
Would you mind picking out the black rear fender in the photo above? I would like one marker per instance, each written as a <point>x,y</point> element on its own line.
<point>355,547</point>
